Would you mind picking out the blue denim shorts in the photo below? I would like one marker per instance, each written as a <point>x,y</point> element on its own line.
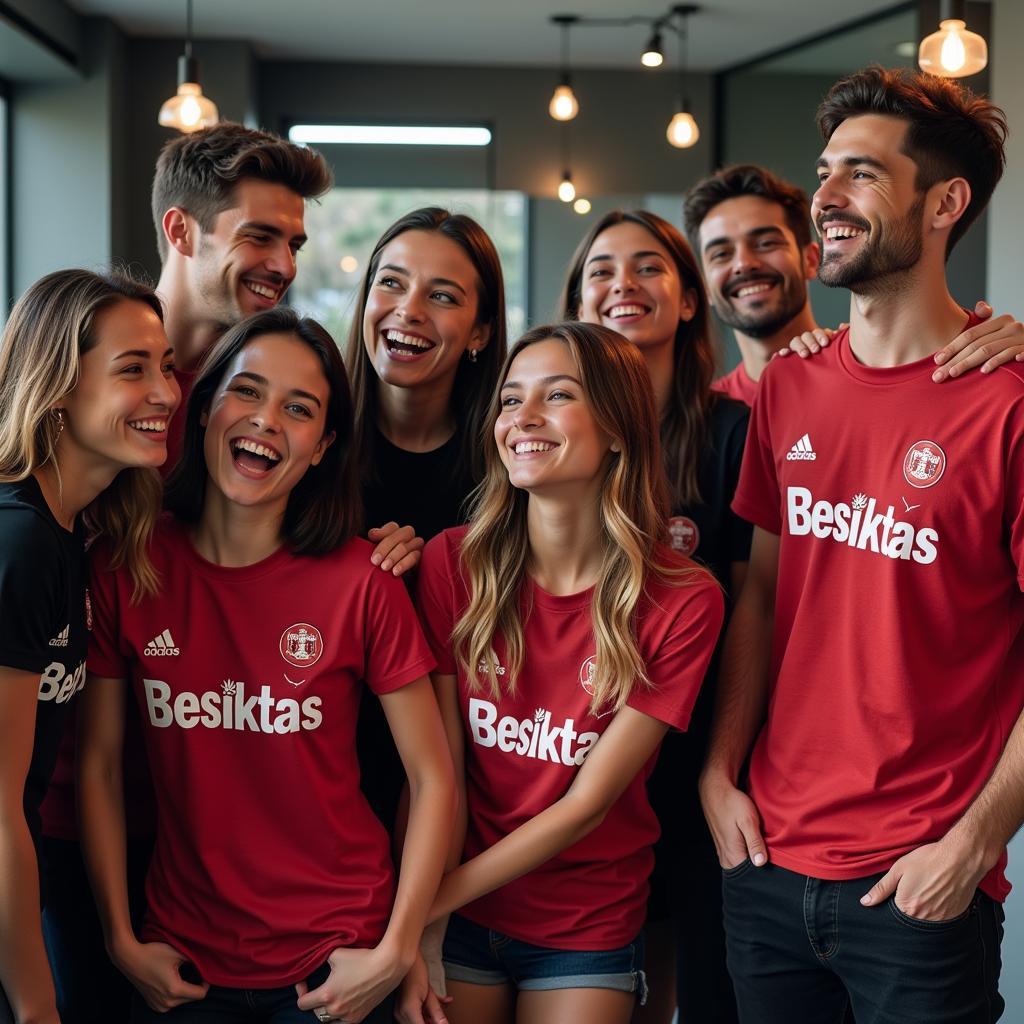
<point>479,956</point>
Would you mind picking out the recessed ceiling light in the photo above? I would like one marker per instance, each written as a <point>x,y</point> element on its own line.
<point>389,135</point>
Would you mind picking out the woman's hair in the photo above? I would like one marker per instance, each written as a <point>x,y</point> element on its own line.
<point>474,381</point>
<point>49,330</point>
<point>684,425</point>
<point>323,508</point>
<point>633,509</point>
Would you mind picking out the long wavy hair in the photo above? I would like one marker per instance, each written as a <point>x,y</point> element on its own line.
<point>323,509</point>
<point>685,422</point>
<point>474,382</point>
<point>633,509</point>
<point>49,330</point>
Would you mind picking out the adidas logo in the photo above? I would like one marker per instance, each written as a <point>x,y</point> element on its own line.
<point>162,646</point>
<point>61,639</point>
<point>802,451</point>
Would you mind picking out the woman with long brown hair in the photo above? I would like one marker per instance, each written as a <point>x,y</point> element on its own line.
<point>86,393</point>
<point>569,640</point>
<point>427,341</point>
<point>634,272</point>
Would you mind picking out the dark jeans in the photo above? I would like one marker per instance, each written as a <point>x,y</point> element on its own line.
<point>250,1006</point>
<point>90,989</point>
<point>800,948</point>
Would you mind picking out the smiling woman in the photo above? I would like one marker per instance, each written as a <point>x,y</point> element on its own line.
<point>276,619</point>
<point>86,391</point>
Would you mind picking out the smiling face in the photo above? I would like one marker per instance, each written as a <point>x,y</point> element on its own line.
<point>867,208</point>
<point>630,283</point>
<point>754,267</point>
<point>421,311</point>
<point>547,436</point>
<point>117,414</point>
<point>246,263</point>
<point>266,421</point>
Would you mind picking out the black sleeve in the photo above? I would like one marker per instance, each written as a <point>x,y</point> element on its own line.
<point>32,582</point>
<point>739,533</point>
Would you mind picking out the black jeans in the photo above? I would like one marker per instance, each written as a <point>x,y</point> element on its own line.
<point>250,1006</point>
<point>800,949</point>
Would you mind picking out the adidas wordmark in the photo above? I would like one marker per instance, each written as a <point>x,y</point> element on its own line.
<point>162,646</point>
<point>802,451</point>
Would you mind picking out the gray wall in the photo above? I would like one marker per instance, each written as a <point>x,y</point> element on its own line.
<point>1005,270</point>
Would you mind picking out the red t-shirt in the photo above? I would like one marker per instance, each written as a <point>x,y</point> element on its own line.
<point>897,668</point>
<point>248,682</point>
<point>176,428</point>
<point>738,385</point>
<point>523,752</point>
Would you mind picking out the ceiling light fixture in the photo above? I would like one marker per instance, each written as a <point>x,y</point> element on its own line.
<point>953,51</point>
<point>389,135</point>
<point>564,106</point>
<point>582,206</point>
<point>682,131</point>
<point>654,52</point>
<point>188,109</point>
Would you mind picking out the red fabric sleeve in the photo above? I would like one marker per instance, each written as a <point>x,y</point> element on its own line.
<point>435,598</point>
<point>396,652</point>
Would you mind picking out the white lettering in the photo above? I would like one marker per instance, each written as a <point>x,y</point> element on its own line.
<point>533,737</point>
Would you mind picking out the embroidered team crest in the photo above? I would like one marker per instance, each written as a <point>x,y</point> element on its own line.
<point>683,535</point>
<point>587,672</point>
<point>301,645</point>
<point>924,464</point>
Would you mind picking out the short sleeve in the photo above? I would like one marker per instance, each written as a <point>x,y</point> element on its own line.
<point>1013,508</point>
<point>758,499</point>
<point>107,658</point>
<point>33,589</point>
<point>396,652</point>
<point>435,601</point>
<point>679,640</point>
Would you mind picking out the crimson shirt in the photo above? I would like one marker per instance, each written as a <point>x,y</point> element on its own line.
<point>523,752</point>
<point>248,682</point>
<point>738,385</point>
<point>897,667</point>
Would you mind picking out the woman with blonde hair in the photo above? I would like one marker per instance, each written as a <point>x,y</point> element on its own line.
<point>569,640</point>
<point>86,392</point>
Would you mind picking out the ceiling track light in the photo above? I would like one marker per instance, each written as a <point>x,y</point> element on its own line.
<point>188,109</point>
<point>564,105</point>
<point>654,52</point>
<point>953,51</point>
<point>682,131</point>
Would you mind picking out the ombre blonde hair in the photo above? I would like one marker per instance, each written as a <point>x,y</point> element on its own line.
<point>633,511</point>
<point>49,330</point>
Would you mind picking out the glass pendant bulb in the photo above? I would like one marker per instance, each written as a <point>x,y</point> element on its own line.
<point>653,55</point>
<point>566,189</point>
<point>189,110</point>
<point>563,106</point>
<point>953,51</point>
<point>682,131</point>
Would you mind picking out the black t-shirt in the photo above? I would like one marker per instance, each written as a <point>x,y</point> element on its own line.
<point>426,491</point>
<point>43,619</point>
<point>710,533</point>
<point>420,489</point>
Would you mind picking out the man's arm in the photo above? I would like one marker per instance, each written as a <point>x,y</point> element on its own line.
<point>936,882</point>
<point>740,707</point>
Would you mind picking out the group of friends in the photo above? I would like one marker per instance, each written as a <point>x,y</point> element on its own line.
<point>448,679</point>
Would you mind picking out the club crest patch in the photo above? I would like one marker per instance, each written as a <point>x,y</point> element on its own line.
<point>683,535</point>
<point>301,645</point>
<point>587,672</point>
<point>924,464</point>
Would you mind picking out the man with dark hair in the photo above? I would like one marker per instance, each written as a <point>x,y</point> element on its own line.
<point>875,660</point>
<point>752,231</point>
<point>228,206</point>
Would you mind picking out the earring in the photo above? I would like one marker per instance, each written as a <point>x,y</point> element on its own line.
<point>472,354</point>
<point>59,413</point>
